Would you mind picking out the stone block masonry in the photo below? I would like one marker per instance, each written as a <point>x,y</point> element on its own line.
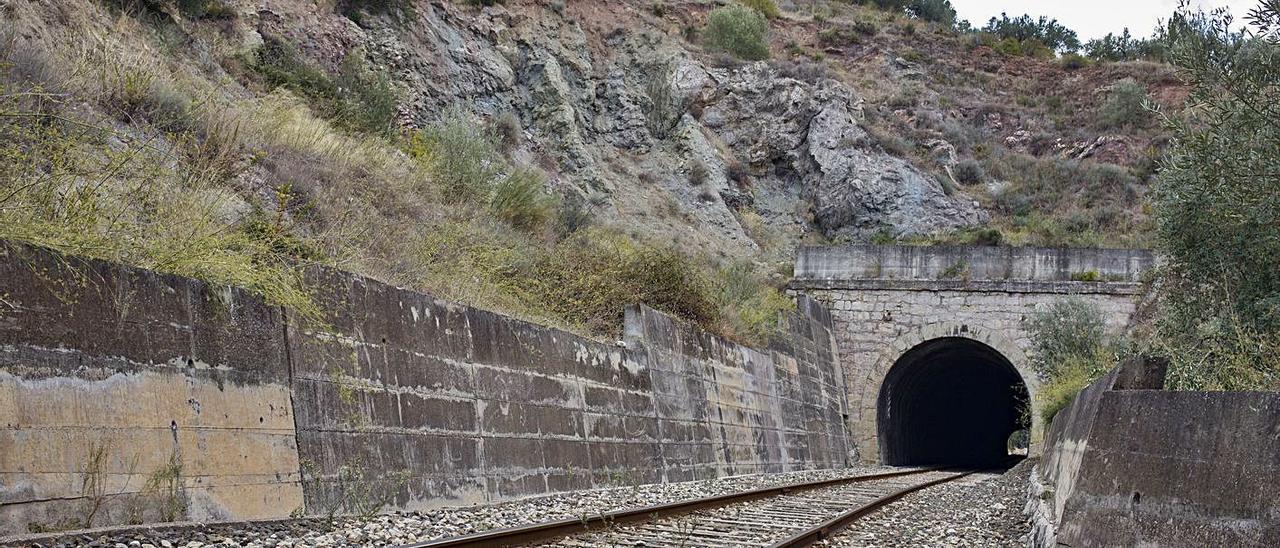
<point>130,396</point>
<point>886,300</point>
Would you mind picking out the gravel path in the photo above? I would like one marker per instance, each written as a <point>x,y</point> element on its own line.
<point>981,510</point>
<point>410,527</point>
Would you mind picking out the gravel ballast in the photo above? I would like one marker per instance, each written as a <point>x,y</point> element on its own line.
<point>410,527</point>
<point>981,510</point>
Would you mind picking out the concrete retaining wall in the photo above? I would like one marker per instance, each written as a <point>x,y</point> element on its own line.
<point>133,396</point>
<point>1125,465</point>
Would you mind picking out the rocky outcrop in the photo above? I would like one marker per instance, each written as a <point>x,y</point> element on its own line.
<point>858,190</point>
<point>623,111</point>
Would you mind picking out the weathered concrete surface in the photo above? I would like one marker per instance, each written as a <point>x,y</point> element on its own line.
<point>1159,468</point>
<point>139,370</point>
<point>886,300</point>
<point>970,263</point>
<point>724,408</point>
<point>203,402</point>
<point>475,406</point>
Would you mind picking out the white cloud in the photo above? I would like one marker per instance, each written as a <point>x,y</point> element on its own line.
<point>1092,18</point>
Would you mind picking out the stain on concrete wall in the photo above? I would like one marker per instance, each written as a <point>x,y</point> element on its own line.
<point>184,400</point>
<point>467,405</point>
<point>727,409</point>
<point>130,396</point>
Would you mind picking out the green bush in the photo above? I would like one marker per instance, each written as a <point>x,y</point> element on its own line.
<point>520,199</point>
<point>1124,47</point>
<point>970,172</point>
<point>360,99</point>
<point>981,236</point>
<point>367,101</point>
<point>464,161</point>
<point>279,64</point>
<point>1074,61</point>
<point>1048,33</point>
<point>1086,276</point>
<point>1067,328</point>
<point>1069,350</point>
<point>766,8</point>
<point>738,30</point>
<point>1125,106</point>
<point>1074,374</point>
<point>751,309</point>
<point>1009,46</point>
<point>937,11</point>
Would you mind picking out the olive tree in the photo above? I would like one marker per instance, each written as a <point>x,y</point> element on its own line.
<point>1217,205</point>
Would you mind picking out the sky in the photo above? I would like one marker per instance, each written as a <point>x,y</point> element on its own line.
<point>1092,18</point>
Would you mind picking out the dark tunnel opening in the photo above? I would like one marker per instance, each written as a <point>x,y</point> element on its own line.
<point>950,401</point>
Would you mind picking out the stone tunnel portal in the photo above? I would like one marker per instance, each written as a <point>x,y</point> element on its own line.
<point>950,401</point>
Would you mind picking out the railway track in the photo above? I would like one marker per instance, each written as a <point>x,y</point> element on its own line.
<point>776,517</point>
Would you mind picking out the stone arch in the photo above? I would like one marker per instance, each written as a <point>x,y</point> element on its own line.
<point>867,429</point>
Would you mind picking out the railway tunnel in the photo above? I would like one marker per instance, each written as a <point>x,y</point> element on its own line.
<point>950,401</point>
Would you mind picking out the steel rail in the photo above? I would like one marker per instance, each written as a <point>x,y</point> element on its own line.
<point>834,525</point>
<point>525,534</point>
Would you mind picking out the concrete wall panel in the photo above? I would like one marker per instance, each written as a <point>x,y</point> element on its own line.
<point>1160,468</point>
<point>432,402</point>
<point>138,381</point>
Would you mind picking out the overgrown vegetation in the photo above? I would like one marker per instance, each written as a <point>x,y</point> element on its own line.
<point>1183,24</point>
<point>766,8</point>
<point>352,490</point>
<point>1125,106</point>
<point>444,209</point>
<point>738,30</point>
<point>1124,47</point>
<point>164,489</point>
<point>1067,202</point>
<point>358,99</point>
<point>79,186</point>
<point>1218,315</point>
<point>1070,351</point>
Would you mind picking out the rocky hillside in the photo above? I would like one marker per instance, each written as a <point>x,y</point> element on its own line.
<point>355,133</point>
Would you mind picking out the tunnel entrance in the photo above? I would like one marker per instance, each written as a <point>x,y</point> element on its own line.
<point>950,401</point>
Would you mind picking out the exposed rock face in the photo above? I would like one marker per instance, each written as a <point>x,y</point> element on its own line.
<point>813,130</point>
<point>859,190</point>
<point>605,96</point>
